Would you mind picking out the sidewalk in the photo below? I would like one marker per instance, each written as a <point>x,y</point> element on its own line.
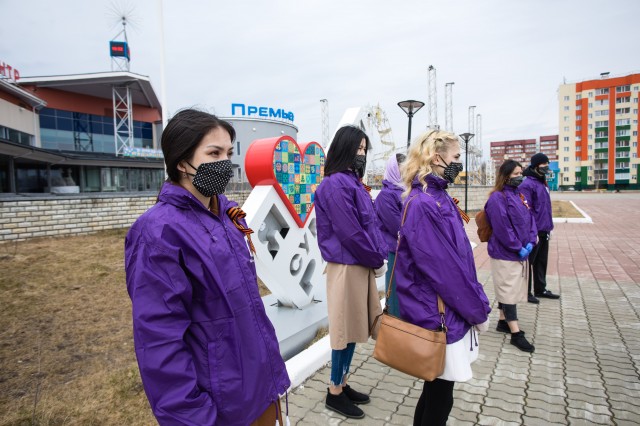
<point>586,366</point>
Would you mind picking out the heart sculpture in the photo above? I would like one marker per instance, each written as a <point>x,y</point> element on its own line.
<point>294,170</point>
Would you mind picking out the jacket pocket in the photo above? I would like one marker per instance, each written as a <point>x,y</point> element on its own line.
<point>225,371</point>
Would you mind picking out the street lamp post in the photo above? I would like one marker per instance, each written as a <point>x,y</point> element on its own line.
<point>466,137</point>
<point>410,108</point>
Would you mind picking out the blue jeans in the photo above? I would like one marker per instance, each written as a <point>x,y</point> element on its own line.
<point>392,303</point>
<point>340,362</point>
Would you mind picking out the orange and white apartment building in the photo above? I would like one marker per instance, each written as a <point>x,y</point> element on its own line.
<point>598,133</point>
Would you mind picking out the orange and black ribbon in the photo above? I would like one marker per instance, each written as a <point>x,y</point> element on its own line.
<point>524,201</point>
<point>367,187</point>
<point>463,215</point>
<point>235,214</point>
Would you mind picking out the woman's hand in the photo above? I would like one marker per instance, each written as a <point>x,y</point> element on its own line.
<point>483,327</point>
<point>381,270</point>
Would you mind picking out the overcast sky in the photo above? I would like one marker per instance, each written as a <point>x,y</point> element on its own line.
<point>506,57</point>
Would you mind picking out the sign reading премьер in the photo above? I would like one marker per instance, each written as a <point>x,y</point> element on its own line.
<point>266,112</point>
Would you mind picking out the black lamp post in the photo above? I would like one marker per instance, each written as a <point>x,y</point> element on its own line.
<point>466,137</point>
<point>410,108</point>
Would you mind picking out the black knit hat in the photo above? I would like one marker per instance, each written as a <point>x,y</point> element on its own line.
<point>538,159</point>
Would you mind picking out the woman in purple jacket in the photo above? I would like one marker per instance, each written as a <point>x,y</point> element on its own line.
<point>513,238</point>
<point>351,244</point>
<point>388,207</point>
<point>207,353</point>
<point>434,259</point>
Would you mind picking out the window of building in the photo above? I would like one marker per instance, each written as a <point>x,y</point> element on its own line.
<point>590,137</point>
<point>566,149</point>
<point>15,136</point>
<point>566,118</point>
<point>622,144</point>
<point>566,138</point>
<point>566,158</point>
<point>590,178</point>
<point>604,123</point>
<point>603,91</point>
<point>589,147</point>
<point>590,116</point>
<point>578,148</point>
<point>567,98</point>
<point>565,169</point>
<point>73,131</point>
<point>602,102</point>
<point>566,128</point>
<point>566,107</point>
<point>621,89</point>
<point>635,100</point>
<point>591,94</point>
<point>623,99</point>
<point>590,157</point>
<point>635,133</point>
<point>578,107</point>
<point>623,110</point>
<point>635,144</point>
<point>624,132</point>
<point>578,179</point>
<point>634,155</point>
<point>578,96</point>
<point>602,112</point>
<point>578,117</point>
<point>590,126</point>
<point>578,128</point>
<point>635,111</point>
<point>623,122</point>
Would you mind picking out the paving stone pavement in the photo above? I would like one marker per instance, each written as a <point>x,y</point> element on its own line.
<point>586,367</point>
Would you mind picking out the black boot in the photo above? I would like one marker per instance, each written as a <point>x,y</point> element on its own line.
<point>354,396</point>
<point>519,341</point>
<point>342,404</point>
<point>503,327</point>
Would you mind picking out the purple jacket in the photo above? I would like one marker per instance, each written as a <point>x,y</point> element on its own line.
<point>347,226</point>
<point>512,223</point>
<point>435,257</point>
<point>208,354</point>
<point>388,207</point>
<point>537,194</point>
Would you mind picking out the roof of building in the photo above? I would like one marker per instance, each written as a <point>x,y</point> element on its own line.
<point>100,85</point>
<point>20,93</point>
<point>76,157</point>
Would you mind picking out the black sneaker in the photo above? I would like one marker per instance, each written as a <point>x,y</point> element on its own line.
<point>519,341</point>
<point>354,396</point>
<point>503,327</point>
<point>341,404</point>
<point>548,295</point>
<point>532,299</point>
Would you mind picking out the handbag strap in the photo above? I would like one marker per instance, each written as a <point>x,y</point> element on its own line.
<point>393,270</point>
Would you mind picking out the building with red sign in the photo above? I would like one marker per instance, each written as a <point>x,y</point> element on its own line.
<point>60,134</point>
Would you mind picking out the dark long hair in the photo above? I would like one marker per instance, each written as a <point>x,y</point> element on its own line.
<point>344,148</point>
<point>183,133</point>
<point>504,172</point>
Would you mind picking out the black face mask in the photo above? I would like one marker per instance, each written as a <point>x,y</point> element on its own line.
<point>543,170</point>
<point>452,170</point>
<point>358,164</point>
<point>212,178</point>
<point>515,181</point>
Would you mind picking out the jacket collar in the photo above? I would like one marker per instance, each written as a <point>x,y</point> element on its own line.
<point>391,186</point>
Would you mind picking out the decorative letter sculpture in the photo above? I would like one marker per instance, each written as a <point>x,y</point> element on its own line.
<point>284,177</point>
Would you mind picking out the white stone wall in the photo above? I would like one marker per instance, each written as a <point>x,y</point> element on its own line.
<point>51,216</point>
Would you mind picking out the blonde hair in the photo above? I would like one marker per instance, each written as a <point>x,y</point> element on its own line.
<point>421,154</point>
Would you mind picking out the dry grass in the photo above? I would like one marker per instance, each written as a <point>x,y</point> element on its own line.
<point>66,345</point>
<point>564,209</point>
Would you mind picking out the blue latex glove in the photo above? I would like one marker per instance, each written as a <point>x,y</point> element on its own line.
<point>523,253</point>
<point>529,247</point>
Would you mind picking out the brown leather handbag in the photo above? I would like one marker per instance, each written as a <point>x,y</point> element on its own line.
<point>407,347</point>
